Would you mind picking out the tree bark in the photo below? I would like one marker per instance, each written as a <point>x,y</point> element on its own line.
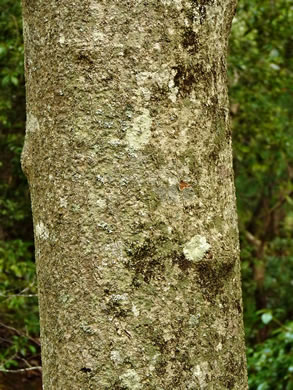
<point>128,158</point>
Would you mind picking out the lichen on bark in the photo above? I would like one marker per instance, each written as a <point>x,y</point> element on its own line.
<point>128,156</point>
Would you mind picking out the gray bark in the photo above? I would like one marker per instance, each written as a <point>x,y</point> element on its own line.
<point>128,157</point>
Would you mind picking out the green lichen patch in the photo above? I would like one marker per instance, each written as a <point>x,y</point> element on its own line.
<point>131,380</point>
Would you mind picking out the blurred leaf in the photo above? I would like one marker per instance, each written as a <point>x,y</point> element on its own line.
<point>266,318</point>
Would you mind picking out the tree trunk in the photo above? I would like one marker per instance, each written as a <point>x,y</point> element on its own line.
<point>128,157</point>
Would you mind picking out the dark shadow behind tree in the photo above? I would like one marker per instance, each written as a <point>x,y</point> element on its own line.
<point>19,328</point>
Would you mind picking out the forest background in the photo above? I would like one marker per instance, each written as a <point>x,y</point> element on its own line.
<point>261,106</point>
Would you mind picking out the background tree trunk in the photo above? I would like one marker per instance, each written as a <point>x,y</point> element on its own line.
<point>128,156</point>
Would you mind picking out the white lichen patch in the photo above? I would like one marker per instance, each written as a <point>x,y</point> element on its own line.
<point>164,78</point>
<point>62,39</point>
<point>193,320</point>
<point>139,134</point>
<point>32,123</point>
<point>88,329</point>
<point>196,248</point>
<point>120,298</point>
<point>202,373</point>
<point>95,201</point>
<point>146,93</point>
<point>135,310</point>
<point>157,46</point>
<point>98,36</point>
<point>101,203</point>
<point>98,8</point>
<point>172,88</point>
<point>143,77</point>
<point>105,226</point>
<point>41,231</point>
<point>131,380</point>
<point>176,3</point>
<point>116,357</point>
<point>219,347</point>
<point>63,202</point>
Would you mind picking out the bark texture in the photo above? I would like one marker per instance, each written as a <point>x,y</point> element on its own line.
<point>128,157</point>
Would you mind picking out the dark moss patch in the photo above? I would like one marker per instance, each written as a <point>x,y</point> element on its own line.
<point>160,92</point>
<point>184,79</point>
<point>220,135</point>
<point>190,41</point>
<point>152,249</point>
<point>155,155</point>
<point>184,358</point>
<point>84,58</point>
<point>144,259</point>
<point>213,274</point>
<point>85,369</point>
<point>167,348</point>
<point>118,310</point>
<point>182,262</point>
<point>228,382</point>
<point>187,76</point>
<point>215,100</point>
<point>235,368</point>
<point>148,258</point>
<point>238,306</point>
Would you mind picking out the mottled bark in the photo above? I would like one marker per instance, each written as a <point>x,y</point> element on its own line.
<point>128,157</point>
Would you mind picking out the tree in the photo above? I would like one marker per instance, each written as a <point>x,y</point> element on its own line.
<point>128,157</point>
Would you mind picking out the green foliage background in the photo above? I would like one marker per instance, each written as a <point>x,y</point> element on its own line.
<point>261,96</point>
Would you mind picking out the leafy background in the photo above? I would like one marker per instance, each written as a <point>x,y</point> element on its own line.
<point>261,97</point>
